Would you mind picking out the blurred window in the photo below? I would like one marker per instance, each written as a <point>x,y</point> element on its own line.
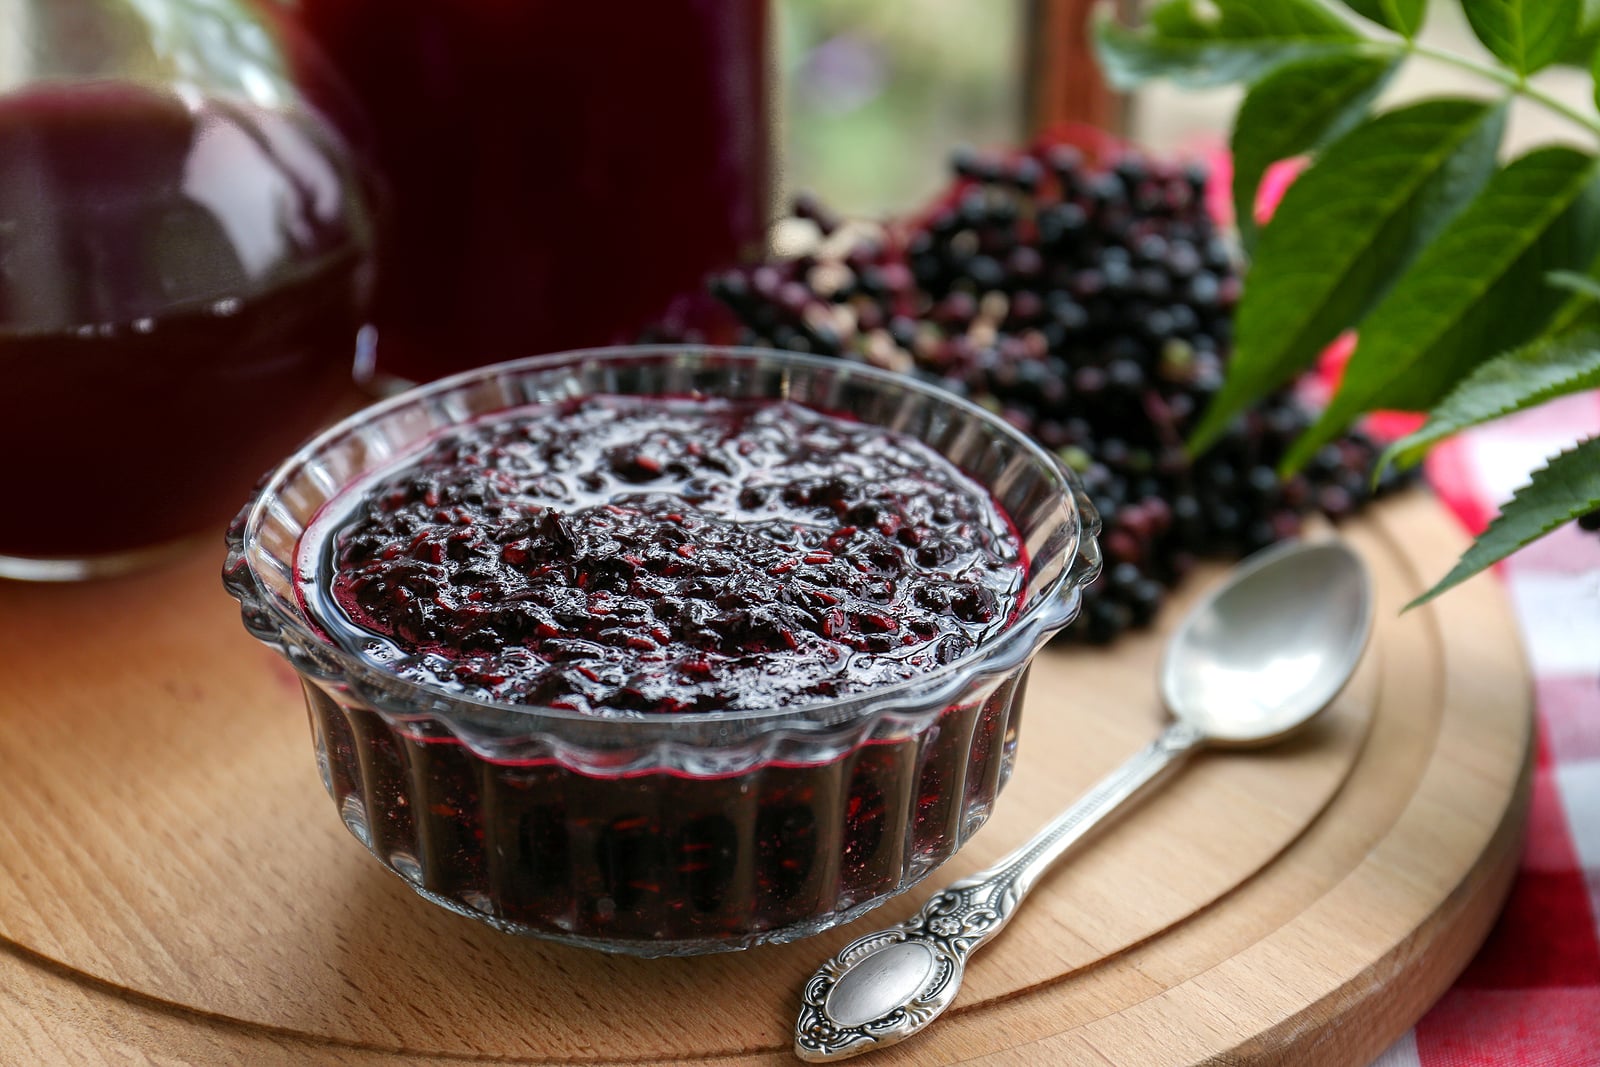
<point>877,93</point>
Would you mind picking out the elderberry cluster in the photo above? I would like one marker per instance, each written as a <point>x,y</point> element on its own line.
<point>1091,306</point>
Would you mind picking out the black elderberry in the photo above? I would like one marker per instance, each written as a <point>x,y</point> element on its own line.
<point>1092,306</point>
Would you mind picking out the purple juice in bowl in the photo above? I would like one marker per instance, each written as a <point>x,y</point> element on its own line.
<point>664,650</point>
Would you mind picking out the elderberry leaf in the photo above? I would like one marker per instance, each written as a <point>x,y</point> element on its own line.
<point>1478,289</point>
<point>1583,285</point>
<point>1294,109</point>
<point>1512,381</point>
<point>1343,233</point>
<point>1567,487</point>
<point>1579,50</point>
<point>1526,35</point>
<point>1219,43</point>
<point>1402,16</point>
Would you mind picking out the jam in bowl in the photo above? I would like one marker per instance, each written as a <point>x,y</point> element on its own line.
<point>664,650</point>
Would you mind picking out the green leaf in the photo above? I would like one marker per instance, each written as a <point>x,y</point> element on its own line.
<point>1580,48</point>
<point>1524,34</point>
<point>1344,232</point>
<point>1512,381</point>
<point>1567,487</point>
<point>1402,16</point>
<point>1577,313</point>
<point>1594,69</point>
<point>1296,108</point>
<point>1579,51</point>
<point>1226,41</point>
<point>1582,306</point>
<point>1570,280</point>
<point>1477,290</point>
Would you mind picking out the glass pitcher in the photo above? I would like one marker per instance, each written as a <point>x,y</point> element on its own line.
<point>182,240</point>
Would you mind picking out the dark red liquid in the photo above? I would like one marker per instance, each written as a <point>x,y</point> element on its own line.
<point>555,173</point>
<point>180,285</point>
<point>660,858</point>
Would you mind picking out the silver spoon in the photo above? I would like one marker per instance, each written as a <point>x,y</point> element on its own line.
<point>1254,662</point>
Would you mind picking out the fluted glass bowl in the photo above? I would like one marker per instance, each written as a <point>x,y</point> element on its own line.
<point>682,833</point>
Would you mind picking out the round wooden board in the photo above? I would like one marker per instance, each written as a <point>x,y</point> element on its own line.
<point>175,884</point>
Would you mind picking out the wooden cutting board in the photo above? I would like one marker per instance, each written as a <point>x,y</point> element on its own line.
<point>176,887</point>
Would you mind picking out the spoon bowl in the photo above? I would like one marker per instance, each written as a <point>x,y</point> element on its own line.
<point>1272,647</point>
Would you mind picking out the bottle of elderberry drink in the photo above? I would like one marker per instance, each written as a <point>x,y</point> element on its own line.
<point>185,259</point>
<point>555,174</point>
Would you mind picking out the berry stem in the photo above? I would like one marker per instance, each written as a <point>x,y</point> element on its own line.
<point>1515,83</point>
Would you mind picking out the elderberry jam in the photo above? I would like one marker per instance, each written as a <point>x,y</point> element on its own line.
<point>641,650</point>
<point>632,555</point>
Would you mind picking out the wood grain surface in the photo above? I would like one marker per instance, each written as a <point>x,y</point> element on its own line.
<point>175,886</point>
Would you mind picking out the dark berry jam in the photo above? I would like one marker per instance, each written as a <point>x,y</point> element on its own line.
<point>637,558</point>
<point>656,555</point>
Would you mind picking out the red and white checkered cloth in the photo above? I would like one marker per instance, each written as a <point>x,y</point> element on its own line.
<point>1531,998</point>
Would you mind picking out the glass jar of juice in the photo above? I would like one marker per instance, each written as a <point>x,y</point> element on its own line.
<point>183,242</point>
<point>554,173</point>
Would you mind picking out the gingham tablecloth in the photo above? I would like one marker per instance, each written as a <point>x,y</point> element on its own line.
<point>1531,998</point>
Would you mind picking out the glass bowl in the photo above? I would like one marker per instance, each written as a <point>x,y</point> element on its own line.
<point>683,833</point>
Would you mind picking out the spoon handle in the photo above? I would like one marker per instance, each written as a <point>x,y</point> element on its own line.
<point>884,987</point>
<point>1021,868</point>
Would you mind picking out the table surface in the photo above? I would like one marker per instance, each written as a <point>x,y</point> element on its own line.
<point>1532,995</point>
<point>173,880</point>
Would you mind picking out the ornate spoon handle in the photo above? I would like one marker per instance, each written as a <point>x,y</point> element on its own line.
<point>884,987</point>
